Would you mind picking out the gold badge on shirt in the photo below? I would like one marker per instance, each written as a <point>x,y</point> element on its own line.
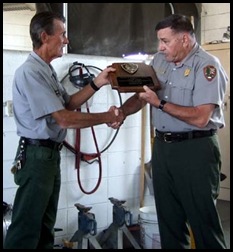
<point>187,72</point>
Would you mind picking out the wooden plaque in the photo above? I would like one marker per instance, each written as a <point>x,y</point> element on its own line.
<point>132,76</point>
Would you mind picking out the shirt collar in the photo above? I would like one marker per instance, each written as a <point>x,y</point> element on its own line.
<point>49,67</point>
<point>188,59</point>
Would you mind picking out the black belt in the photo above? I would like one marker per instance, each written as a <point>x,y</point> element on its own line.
<point>170,137</point>
<point>43,142</point>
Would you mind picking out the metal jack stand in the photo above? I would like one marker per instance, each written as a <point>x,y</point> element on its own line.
<point>118,227</point>
<point>87,228</point>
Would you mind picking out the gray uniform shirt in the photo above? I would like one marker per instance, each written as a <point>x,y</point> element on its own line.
<point>199,79</point>
<point>36,94</point>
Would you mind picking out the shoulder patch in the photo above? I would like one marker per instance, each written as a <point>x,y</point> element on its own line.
<point>209,72</point>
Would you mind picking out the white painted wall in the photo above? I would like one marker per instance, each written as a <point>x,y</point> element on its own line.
<point>215,18</point>
<point>16,30</point>
<point>121,162</point>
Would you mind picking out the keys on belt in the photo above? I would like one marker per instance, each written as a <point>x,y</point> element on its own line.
<point>21,158</point>
<point>23,142</point>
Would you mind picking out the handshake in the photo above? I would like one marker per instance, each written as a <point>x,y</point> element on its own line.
<point>117,116</point>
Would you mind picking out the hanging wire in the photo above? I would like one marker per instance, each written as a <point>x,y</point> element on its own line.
<point>80,156</point>
<point>119,96</point>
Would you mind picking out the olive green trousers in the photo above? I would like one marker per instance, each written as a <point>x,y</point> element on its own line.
<point>36,200</point>
<point>186,181</point>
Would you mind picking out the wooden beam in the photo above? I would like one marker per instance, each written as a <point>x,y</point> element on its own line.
<point>142,170</point>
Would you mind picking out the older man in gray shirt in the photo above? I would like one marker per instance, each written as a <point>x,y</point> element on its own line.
<point>186,159</point>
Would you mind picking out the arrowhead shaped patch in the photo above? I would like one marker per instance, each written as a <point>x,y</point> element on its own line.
<point>209,72</point>
<point>130,68</point>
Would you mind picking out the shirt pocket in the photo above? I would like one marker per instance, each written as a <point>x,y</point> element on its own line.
<point>181,92</point>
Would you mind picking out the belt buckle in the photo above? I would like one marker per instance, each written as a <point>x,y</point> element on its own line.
<point>165,135</point>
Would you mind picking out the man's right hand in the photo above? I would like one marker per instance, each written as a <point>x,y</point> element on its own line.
<point>119,117</point>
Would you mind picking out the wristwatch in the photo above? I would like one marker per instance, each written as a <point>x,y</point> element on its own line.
<point>162,103</point>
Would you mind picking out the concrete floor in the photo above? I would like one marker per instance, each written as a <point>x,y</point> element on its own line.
<point>224,212</point>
